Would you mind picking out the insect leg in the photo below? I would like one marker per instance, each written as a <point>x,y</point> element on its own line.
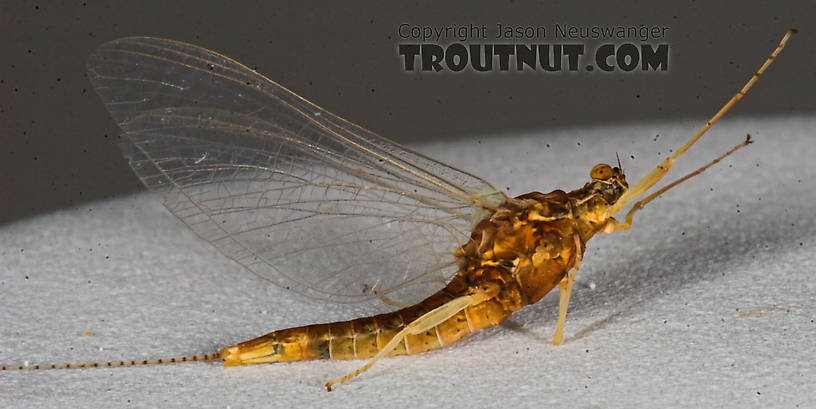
<point>427,321</point>
<point>614,225</point>
<point>657,173</point>
<point>564,291</point>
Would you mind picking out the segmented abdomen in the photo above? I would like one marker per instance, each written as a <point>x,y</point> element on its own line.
<point>364,337</point>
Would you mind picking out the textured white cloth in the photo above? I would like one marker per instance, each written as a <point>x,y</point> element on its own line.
<point>707,302</point>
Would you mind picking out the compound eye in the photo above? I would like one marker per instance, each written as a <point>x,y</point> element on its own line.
<point>601,171</point>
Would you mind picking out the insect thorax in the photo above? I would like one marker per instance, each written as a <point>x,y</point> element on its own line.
<point>528,243</point>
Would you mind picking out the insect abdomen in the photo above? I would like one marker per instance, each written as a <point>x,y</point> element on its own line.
<point>364,337</point>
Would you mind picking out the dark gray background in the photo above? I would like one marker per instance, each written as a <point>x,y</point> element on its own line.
<point>59,145</point>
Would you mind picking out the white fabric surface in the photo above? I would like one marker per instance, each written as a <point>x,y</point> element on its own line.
<point>707,302</point>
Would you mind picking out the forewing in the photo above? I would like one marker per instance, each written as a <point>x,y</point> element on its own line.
<point>295,194</point>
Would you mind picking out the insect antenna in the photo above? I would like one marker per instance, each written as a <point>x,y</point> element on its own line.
<point>192,358</point>
<point>645,183</point>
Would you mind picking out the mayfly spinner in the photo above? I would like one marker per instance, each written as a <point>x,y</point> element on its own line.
<point>321,206</point>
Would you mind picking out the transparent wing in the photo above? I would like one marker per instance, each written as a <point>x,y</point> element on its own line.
<point>295,194</point>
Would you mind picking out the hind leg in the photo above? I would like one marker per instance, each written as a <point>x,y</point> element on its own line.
<point>425,322</point>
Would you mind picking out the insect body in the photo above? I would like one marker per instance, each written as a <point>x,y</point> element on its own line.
<point>321,206</point>
<point>515,256</point>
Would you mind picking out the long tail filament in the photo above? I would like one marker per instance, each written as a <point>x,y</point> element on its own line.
<point>193,358</point>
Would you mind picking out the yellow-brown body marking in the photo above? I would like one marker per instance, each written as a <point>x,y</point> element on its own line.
<point>524,248</point>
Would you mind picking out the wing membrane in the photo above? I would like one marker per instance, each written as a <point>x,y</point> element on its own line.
<point>295,194</point>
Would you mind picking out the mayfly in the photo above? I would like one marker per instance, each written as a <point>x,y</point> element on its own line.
<point>323,207</point>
